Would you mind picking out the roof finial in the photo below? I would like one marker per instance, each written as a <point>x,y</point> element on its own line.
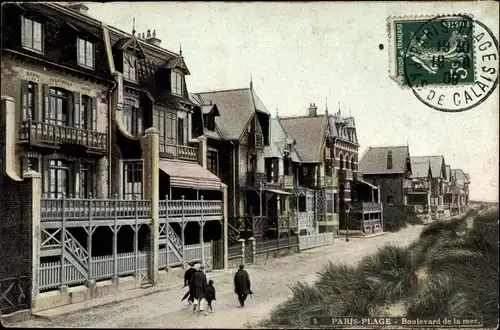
<point>326,102</point>
<point>339,110</point>
<point>133,26</point>
<point>251,81</point>
<point>180,49</point>
<point>277,113</point>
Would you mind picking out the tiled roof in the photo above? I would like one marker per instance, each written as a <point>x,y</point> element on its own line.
<point>419,169</point>
<point>308,132</point>
<point>236,107</point>
<point>337,123</point>
<point>278,142</point>
<point>147,71</point>
<point>436,163</point>
<point>375,160</point>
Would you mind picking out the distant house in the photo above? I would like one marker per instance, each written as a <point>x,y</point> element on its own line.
<point>387,167</point>
<point>462,181</point>
<point>418,187</point>
<point>438,170</point>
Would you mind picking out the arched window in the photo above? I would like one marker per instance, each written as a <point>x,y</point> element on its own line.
<point>341,161</point>
<point>347,162</point>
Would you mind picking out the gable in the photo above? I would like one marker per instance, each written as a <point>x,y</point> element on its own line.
<point>375,160</point>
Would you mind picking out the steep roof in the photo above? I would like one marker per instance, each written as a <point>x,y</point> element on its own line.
<point>279,141</point>
<point>236,107</point>
<point>436,164</point>
<point>459,176</point>
<point>375,160</point>
<point>308,132</point>
<point>419,169</point>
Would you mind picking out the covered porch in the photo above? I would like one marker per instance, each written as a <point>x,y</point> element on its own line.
<point>364,212</point>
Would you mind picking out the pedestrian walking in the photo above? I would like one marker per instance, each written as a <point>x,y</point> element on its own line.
<point>242,285</point>
<point>210,296</point>
<point>197,287</point>
<point>187,278</point>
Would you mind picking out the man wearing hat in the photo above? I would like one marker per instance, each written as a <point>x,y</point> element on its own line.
<point>197,286</point>
<point>187,277</point>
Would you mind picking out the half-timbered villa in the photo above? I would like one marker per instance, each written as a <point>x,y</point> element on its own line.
<point>418,187</point>
<point>438,170</point>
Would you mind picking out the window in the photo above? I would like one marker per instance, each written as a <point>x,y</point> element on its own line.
<point>286,166</point>
<point>129,66</point>
<point>88,114</point>
<point>132,117</point>
<point>335,203</point>
<point>341,161</point>
<point>209,122</point>
<point>166,124</point>
<point>58,107</point>
<point>132,180</point>
<point>29,91</point>
<point>329,202</point>
<point>59,184</point>
<point>310,203</point>
<point>302,204</point>
<point>31,34</point>
<point>272,170</point>
<point>389,160</point>
<point>85,53</point>
<point>87,183</point>
<point>176,81</point>
<point>33,164</point>
<point>180,131</point>
<point>305,170</point>
<point>212,162</point>
<point>390,200</point>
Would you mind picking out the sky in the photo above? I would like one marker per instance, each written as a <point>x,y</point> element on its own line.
<point>300,53</point>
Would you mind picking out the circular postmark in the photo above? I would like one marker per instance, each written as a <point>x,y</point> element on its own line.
<point>451,62</point>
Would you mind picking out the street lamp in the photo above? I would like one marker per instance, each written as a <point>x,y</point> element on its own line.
<point>348,218</point>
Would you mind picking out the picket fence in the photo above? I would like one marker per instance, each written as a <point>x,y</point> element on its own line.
<point>315,240</point>
<point>103,266</point>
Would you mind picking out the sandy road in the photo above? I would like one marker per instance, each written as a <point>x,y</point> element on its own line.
<point>270,281</point>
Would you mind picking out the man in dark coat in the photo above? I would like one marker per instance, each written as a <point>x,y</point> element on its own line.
<point>187,277</point>
<point>197,287</point>
<point>242,285</point>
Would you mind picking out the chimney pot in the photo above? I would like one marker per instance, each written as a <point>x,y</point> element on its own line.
<point>149,34</point>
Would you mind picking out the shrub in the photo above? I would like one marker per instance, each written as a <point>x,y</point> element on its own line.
<point>397,217</point>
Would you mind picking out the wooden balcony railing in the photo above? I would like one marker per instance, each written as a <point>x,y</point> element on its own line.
<point>329,182</point>
<point>416,186</point>
<point>179,152</point>
<point>363,207</point>
<point>345,175</point>
<point>40,132</point>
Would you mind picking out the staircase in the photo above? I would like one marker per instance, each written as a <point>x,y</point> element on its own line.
<point>233,234</point>
<point>174,242</point>
<point>77,255</point>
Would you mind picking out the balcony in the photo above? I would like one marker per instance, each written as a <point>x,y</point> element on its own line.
<point>345,175</point>
<point>179,152</point>
<point>52,135</point>
<point>329,182</point>
<point>411,186</point>
<point>288,182</point>
<point>365,207</point>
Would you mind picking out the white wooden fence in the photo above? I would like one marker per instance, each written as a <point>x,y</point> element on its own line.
<point>315,240</point>
<point>103,266</point>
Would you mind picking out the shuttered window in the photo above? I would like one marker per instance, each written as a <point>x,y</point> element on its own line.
<point>29,100</point>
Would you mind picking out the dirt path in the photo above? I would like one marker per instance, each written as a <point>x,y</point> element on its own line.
<point>270,281</point>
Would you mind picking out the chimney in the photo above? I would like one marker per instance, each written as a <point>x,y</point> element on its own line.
<point>312,110</point>
<point>151,38</point>
<point>79,7</point>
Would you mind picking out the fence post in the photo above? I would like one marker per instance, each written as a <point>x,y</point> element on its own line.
<point>252,239</point>
<point>89,242</point>
<point>182,230</point>
<point>167,225</point>
<point>115,238</point>
<point>242,242</point>
<point>63,240</point>
<point>202,225</point>
<point>136,246</point>
<point>267,248</point>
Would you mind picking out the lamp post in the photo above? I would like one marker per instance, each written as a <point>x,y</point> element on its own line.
<point>348,218</point>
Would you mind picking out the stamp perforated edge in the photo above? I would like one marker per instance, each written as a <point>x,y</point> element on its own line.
<point>392,46</point>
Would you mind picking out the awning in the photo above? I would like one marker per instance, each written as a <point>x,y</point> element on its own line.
<point>189,175</point>
<point>279,192</point>
<point>368,184</point>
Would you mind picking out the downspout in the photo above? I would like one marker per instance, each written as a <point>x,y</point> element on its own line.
<point>234,178</point>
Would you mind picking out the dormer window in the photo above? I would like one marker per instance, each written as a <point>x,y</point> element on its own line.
<point>176,82</point>
<point>389,160</point>
<point>129,66</point>
<point>209,122</point>
<point>31,34</point>
<point>85,53</point>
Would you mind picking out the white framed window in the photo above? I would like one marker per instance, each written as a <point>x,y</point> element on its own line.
<point>31,34</point>
<point>132,179</point>
<point>176,82</point>
<point>85,53</point>
<point>132,117</point>
<point>129,66</point>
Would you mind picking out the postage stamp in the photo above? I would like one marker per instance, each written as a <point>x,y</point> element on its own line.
<point>449,62</point>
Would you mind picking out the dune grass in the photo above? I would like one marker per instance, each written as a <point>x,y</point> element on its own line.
<point>450,270</point>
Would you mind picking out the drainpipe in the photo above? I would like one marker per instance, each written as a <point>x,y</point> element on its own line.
<point>234,178</point>
<point>110,131</point>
